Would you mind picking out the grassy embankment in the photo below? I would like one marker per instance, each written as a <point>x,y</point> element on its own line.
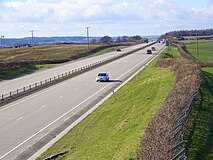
<point>199,133</point>
<point>41,53</point>
<point>20,71</point>
<point>205,51</point>
<point>114,130</point>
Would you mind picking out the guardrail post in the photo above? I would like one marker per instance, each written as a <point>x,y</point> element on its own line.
<point>30,86</point>
<point>35,84</point>
<point>10,94</point>
<point>24,89</point>
<point>2,97</point>
<point>17,91</point>
<point>50,79</point>
<point>41,83</point>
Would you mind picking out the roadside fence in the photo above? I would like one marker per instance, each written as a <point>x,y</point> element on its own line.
<point>178,151</point>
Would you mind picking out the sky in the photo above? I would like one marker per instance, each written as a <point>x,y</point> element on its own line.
<point>104,17</point>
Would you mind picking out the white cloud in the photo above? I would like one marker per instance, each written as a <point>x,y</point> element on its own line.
<point>104,16</point>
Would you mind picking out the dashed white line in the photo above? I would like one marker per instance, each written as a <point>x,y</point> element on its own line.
<point>60,97</point>
<point>19,118</point>
<point>43,106</point>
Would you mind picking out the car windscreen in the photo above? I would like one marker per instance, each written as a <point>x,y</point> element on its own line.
<point>102,74</point>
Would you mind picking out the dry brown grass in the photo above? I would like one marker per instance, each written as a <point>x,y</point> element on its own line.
<point>44,52</point>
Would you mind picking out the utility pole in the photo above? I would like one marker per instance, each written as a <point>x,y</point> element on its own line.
<point>197,47</point>
<point>32,42</point>
<point>88,36</point>
<point>2,37</point>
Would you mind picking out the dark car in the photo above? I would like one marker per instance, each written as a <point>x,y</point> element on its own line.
<point>149,51</point>
<point>118,50</point>
<point>153,48</point>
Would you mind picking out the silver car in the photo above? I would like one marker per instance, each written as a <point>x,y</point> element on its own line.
<point>102,76</point>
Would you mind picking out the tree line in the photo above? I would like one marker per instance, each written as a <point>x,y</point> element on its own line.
<point>201,32</point>
<point>108,39</point>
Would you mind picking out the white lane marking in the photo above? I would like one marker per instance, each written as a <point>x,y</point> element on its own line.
<point>60,97</point>
<point>19,118</point>
<point>43,106</point>
<point>67,113</point>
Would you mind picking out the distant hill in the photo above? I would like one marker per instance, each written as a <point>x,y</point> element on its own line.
<point>44,40</point>
<point>6,42</point>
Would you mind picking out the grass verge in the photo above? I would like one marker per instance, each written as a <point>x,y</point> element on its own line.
<point>199,135</point>
<point>114,130</point>
<point>6,74</point>
<point>170,52</point>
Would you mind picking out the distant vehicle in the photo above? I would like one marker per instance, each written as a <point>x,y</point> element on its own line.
<point>102,76</point>
<point>118,50</point>
<point>149,51</point>
<point>153,48</point>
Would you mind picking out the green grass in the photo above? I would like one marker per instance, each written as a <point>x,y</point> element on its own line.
<point>6,74</point>
<point>199,136</point>
<point>205,51</point>
<point>114,130</point>
<point>170,52</point>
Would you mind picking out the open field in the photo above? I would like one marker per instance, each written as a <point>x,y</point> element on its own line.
<point>51,52</point>
<point>205,51</point>
<point>191,41</point>
<point>199,133</point>
<point>114,130</point>
<point>42,52</point>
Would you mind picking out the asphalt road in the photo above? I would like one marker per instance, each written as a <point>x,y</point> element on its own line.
<point>18,83</point>
<point>27,121</point>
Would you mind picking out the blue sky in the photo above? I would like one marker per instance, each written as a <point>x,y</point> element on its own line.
<point>192,3</point>
<point>104,17</point>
